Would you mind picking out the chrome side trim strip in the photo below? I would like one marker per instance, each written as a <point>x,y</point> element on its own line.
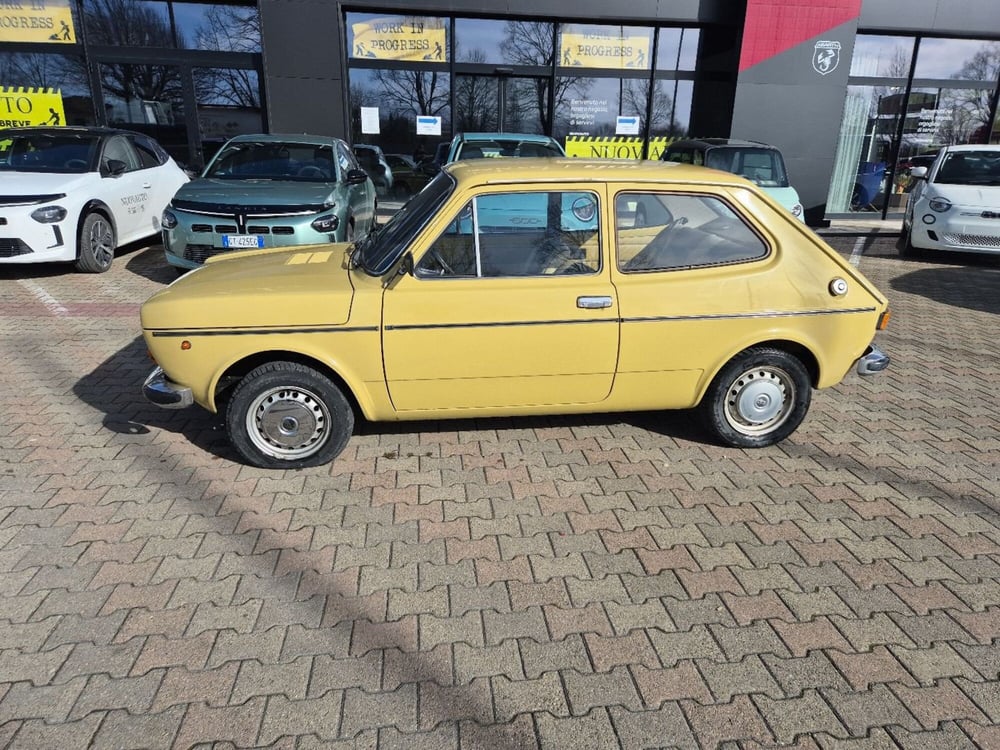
<point>193,332</point>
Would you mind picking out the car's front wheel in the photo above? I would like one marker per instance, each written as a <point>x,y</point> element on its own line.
<point>906,247</point>
<point>284,415</point>
<point>759,398</point>
<point>96,244</point>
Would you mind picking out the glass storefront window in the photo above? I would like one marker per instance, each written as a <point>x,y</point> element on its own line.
<point>677,49</point>
<point>372,36</point>
<point>128,23</point>
<point>882,56</point>
<point>44,88</point>
<point>961,59</point>
<point>503,42</point>
<point>619,47</point>
<point>399,97</point>
<point>225,28</point>
<point>228,102</point>
<point>147,98</point>
<point>671,113</point>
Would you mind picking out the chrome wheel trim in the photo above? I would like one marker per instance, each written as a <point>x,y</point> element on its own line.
<point>760,400</point>
<point>288,422</point>
<point>101,241</point>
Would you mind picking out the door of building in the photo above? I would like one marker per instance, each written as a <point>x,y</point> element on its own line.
<point>501,103</point>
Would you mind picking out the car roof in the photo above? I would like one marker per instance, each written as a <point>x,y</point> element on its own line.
<point>98,130</point>
<point>570,169</point>
<point>305,138</point>
<point>527,137</point>
<point>974,147</point>
<point>717,143</point>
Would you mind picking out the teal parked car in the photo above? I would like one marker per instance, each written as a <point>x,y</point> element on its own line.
<point>269,191</point>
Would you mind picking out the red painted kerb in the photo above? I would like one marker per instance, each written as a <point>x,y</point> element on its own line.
<point>775,26</point>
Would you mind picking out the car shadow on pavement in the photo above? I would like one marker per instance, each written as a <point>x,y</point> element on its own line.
<point>971,288</point>
<point>151,264</point>
<point>115,389</point>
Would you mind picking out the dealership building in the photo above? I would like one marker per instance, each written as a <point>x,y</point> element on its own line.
<point>850,90</point>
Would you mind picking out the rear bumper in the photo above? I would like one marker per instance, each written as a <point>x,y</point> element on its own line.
<point>159,390</point>
<point>872,361</point>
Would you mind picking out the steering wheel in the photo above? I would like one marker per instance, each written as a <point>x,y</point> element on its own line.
<point>310,171</point>
<point>435,254</point>
<point>76,164</point>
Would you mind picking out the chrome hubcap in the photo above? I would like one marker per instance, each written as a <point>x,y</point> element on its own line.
<point>288,422</point>
<point>759,400</point>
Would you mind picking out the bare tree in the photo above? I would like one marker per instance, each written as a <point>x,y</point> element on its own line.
<point>635,94</point>
<point>982,66</point>
<point>475,98</point>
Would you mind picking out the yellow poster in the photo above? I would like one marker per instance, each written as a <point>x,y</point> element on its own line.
<point>36,21</point>
<point>598,49</point>
<point>400,38</point>
<point>20,107</point>
<point>613,147</point>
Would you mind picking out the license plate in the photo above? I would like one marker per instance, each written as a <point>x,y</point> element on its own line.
<point>242,240</point>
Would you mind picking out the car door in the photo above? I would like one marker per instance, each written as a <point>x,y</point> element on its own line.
<point>128,194</point>
<point>509,307</point>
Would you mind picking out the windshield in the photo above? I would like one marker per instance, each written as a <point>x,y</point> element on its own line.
<point>38,152</point>
<point>270,160</point>
<point>507,147</point>
<point>380,250</point>
<point>970,168</point>
<point>763,166</point>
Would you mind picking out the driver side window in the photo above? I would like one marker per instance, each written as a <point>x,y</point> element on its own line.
<point>542,233</point>
<point>119,149</point>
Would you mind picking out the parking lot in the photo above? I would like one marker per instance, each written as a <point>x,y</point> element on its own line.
<point>587,582</point>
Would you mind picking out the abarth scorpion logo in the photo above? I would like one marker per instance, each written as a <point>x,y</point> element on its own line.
<point>826,56</point>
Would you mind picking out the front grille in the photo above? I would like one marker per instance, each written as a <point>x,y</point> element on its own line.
<point>225,229</point>
<point>199,253</point>
<point>258,230</point>
<point>973,240</point>
<point>283,230</point>
<point>3,221</point>
<point>11,248</point>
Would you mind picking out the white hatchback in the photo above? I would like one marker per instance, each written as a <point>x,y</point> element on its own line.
<point>76,194</point>
<point>955,203</point>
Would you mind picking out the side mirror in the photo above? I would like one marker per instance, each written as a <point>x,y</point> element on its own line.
<point>356,176</point>
<point>115,167</point>
<point>919,173</point>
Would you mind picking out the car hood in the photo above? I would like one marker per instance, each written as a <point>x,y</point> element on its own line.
<point>971,196</point>
<point>24,184</point>
<point>303,286</point>
<point>247,193</point>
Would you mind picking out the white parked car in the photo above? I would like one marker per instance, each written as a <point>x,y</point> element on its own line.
<point>78,193</point>
<point>955,203</point>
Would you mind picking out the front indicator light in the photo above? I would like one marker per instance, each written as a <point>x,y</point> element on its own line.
<point>883,321</point>
<point>326,224</point>
<point>939,204</point>
<point>49,214</point>
<point>797,209</point>
<point>185,345</point>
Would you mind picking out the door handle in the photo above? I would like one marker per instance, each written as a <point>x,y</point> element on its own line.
<point>593,303</point>
<point>147,185</point>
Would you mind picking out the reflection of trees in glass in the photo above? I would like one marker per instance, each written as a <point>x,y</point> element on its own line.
<point>127,23</point>
<point>415,92</point>
<point>51,71</point>
<point>528,43</point>
<point>635,94</point>
<point>228,28</point>
<point>975,103</point>
<point>475,99</point>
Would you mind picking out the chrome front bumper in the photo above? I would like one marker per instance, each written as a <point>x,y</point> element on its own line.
<point>872,361</point>
<point>165,393</point>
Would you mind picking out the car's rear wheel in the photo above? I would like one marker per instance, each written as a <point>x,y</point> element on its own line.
<point>759,398</point>
<point>284,415</point>
<point>96,244</point>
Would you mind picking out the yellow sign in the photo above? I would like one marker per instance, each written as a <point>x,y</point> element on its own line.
<point>36,21</point>
<point>604,50</point>
<point>400,38</point>
<point>20,107</point>
<point>611,147</point>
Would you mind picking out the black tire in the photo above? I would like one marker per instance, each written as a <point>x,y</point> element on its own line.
<point>95,244</point>
<point>284,415</point>
<point>906,248</point>
<point>758,399</point>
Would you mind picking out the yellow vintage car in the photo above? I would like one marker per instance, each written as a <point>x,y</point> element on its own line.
<point>528,286</point>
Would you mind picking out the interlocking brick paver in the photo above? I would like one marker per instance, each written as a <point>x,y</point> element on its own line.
<point>515,583</point>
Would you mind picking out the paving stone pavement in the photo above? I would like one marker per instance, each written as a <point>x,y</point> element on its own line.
<point>611,581</point>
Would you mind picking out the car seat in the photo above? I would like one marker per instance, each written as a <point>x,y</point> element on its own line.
<point>472,152</point>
